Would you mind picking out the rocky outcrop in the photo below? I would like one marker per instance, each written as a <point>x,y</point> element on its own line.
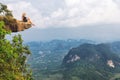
<point>110,63</point>
<point>74,58</point>
<point>14,25</point>
<point>18,26</point>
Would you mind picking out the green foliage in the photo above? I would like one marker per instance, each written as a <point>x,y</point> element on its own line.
<point>6,15</point>
<point>13,57</point>
<point>117,79</point>
<point>3,32</point>
<point>92,64</point>
<point>4,11</point>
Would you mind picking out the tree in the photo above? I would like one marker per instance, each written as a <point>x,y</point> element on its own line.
<point>6,15</point>
<point>4,11</point>
<point>13,55</point>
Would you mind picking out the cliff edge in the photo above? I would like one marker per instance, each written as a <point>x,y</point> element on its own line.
<point>14,25</point>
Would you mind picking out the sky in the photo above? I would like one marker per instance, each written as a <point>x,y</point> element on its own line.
<point>97,20</point>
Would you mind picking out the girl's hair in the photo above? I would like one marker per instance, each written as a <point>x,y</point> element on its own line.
<point>23,14</point>
<point>24,18</point>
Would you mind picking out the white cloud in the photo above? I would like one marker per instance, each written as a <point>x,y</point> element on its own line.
<point>73,13</point>
<point>72,2</point>
<point>57,14</point>
<point>82,12</point>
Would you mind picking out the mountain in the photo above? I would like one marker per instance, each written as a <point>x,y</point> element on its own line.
<point>91,62</point>
<point>48,56</point>
<point>115,46</point>
<point>45,54</point>
<point>99,61</point>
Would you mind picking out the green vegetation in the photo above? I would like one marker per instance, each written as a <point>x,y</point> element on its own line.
<point>116,77</point>
<point>4,11</point>
<point>48,56</point>
<point>12,57</point>
<point>13,54</point>
<point>92,64</point>
<point>6,15</point>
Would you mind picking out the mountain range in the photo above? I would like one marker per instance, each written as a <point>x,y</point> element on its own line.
<point>75,60</point>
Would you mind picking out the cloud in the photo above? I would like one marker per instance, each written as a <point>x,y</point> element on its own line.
<point>72,2</point>
<point>82,12</point>
<point>67,13</point>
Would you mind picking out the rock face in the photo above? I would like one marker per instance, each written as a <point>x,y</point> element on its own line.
<point>74,58</point>
<point>18,26</point>
<point>110,63</point>
<point>14,25</point>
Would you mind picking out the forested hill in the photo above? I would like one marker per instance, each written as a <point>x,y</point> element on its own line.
<point>91,62</point>
<point>115,46</point>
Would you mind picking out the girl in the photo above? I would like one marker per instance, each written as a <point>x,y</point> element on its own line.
<point>26,19</point>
